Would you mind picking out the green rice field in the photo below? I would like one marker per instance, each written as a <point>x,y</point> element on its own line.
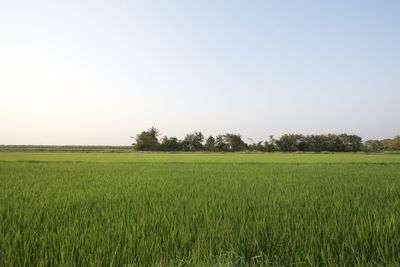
<point>199,209</point>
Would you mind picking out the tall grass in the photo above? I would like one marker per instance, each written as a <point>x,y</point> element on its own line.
<point>160,214</point>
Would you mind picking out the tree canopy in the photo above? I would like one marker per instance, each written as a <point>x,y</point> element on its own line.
<point>147,140</point>
<point>230,142</point>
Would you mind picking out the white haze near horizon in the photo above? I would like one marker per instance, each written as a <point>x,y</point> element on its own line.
<point>98,72</point>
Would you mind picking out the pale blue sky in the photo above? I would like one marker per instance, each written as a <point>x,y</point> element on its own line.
<point>97,72</point>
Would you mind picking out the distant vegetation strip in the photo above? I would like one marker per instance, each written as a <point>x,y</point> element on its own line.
<point>229,142</point>
<point>50,148</point>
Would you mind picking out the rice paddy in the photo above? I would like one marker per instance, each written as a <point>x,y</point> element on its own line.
<point>199,209</point>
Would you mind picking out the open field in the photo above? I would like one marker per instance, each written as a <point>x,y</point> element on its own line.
<point>91,149</point>
<point>146,209</point>
<point>162,157</point>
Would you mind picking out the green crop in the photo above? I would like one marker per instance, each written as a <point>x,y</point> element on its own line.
<point>60,209</point>
<point>200,157</point>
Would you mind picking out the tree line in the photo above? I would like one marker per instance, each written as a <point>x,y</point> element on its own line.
<point>149,141</point>
<point>383,145</point>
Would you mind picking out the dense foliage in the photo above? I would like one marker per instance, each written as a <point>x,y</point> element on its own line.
<point>148,141</point>
<point>382,145</point>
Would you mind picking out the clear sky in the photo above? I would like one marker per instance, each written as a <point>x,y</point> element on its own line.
<point>97,72</point>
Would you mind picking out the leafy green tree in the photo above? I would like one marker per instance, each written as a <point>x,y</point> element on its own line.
<point>373,145</point>
<point>270,145</point>
<point>230,142</point>
<point>392,144</point>
<point>289,142</point>
<point>256,146</point>
<point>336,143</point>
<point>234,142</point>
<point>147,140</point>
<point>193,142</point>
<point>210,144</point>
<point>396,143</point>
<point>170,144</point>
<point>220,144</point>
<point>385,144</point>
<point>351,143</point>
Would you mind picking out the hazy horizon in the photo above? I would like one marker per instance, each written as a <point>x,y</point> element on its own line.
<point>98,72</point>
